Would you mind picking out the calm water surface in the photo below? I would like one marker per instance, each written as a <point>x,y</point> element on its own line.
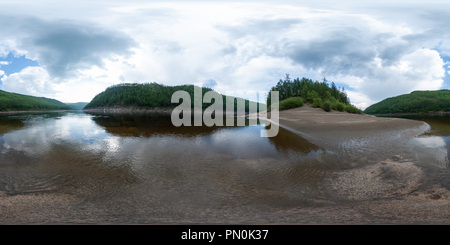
<point>433,146</point>
<point>142,169</point>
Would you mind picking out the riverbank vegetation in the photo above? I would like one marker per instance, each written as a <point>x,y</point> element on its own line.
<point>19,102</point>
<point>415,102</point>
<point>295,93</point>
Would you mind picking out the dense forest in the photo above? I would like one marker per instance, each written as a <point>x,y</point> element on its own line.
<point>149,95</point>
<point>415,102</point>
<point>19,102</point>
<point>294,93</point>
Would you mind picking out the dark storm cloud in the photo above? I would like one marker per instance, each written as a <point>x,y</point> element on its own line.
<point>63,46</point>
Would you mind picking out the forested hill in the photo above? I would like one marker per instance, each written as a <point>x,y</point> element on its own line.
<point>145,95</point>
<point>415,102</point>
<point>19,102</point>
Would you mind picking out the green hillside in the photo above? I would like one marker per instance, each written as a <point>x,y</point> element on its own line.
<point>19,102</point>
<point>146,95</point>
<point>415,102</point>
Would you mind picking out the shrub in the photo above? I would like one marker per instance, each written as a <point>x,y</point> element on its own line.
<point>317,103</point>
<point>292,102</point>
<point>352,109</point>
<point>326,106</point>
<point>340,106</point>
<point>311,95</point>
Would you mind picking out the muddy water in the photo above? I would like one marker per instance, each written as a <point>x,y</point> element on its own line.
<point>73,167</point>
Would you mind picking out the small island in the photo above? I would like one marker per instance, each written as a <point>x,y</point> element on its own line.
<point>150,97</point>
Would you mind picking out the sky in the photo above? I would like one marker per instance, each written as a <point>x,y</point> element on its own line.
<point>73,50</point>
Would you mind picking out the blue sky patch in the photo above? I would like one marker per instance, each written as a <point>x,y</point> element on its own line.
<point>446,84</point>
<point>13,64</point>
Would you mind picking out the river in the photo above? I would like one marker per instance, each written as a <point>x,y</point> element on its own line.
<point>75,167</point>
<point>433,146</point>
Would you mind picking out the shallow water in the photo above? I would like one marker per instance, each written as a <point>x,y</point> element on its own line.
<point>140,168</point>
<point>433,146</point>
<point>75,167</point>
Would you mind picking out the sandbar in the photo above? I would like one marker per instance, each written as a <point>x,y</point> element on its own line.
<point>382,182</point>
<point>336,129</point>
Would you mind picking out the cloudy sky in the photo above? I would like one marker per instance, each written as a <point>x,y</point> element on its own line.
<point>72,50</point>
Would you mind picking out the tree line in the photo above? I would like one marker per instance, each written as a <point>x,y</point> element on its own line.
<point>150,95</point>
<point>19,102</point>
<point>415,102</point>
<point>294,93</point>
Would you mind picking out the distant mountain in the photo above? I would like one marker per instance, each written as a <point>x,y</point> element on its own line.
<point>415,102</point>
<point>78,105</point>
<point>20,102</point>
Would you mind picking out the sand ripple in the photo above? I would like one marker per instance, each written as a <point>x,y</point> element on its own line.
<point>382,180</point>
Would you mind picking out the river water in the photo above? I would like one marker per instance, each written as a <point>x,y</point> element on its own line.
<point>433,146</point>
<point>139,168</point>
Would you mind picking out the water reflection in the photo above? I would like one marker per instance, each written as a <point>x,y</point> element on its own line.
<point>287,142</point>
<point>432,150</point>
<point>8,124</point>
<point>433,146</point>
<point>144,158</point>
<point>146,125</point>
<point>440,123</point>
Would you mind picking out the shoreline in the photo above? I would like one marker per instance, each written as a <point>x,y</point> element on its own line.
<point>434,113</point>
<point>131,110</point>
<point>338,129</point>
<point>18,112</point>
<point>125,110</point>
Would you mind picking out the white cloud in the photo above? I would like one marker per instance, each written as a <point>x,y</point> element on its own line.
<point>422,69</point>
<point>377,50</point>
<point>419,70</point>
<point>36,81</point>
<point>31,81</point>
<point>360,100</point>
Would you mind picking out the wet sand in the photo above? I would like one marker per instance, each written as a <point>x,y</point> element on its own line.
<point>341,129</point>
<point>384,185</point>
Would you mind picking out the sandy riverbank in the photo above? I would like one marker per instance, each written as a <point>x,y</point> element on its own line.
<point>341,129</point>
<point>384,184</point>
